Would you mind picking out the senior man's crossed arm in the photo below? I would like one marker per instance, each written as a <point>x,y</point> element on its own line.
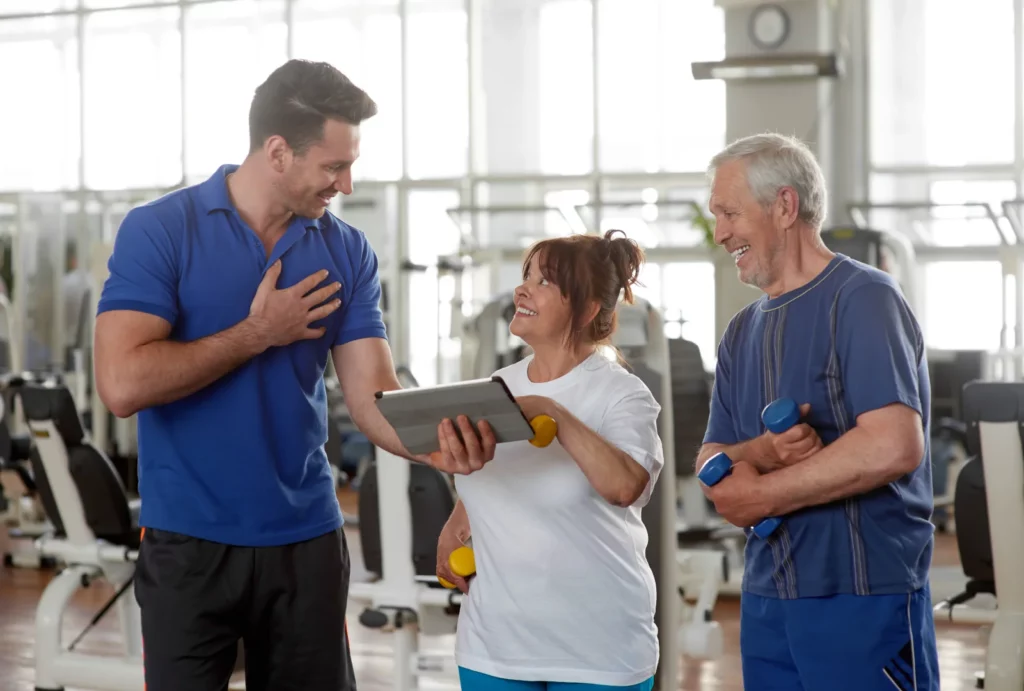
<point>880,349</point>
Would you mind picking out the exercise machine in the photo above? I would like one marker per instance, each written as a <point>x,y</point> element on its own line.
<point>95,537</point>
<point>949,371</point>
<point>890,252</point>
<point>688,580</point>
<point>992,484</point>
<point>402,508</point>
<point>487,344</point>
<point>23,514</point>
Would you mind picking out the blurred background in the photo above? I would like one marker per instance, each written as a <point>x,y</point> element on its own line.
<point>502,122</point>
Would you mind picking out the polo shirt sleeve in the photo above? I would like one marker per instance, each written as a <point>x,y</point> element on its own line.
<point>362,316</point>
<point>143,268</point>
<point>721,428</point>
<point>631,425</point>
<point>880,346</point>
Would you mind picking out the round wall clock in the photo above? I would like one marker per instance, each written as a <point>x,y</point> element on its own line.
<point>769,26</point>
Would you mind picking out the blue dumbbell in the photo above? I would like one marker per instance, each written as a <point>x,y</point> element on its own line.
<point>717,468</point>
<point>780,415</point>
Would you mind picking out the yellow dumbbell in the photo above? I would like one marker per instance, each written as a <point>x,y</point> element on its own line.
<point>462,563</point>
<point>544,430</point>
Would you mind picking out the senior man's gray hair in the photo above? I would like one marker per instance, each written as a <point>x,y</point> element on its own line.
<point>775,161</point>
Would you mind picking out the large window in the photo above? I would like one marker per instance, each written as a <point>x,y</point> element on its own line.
<point>652,115</point>
<point>364,41</point>
<point>101,4</point>
<point>942,82</point>
<point>565,70</point>
<point>438,82</point>
<point>433,355</point>
<point>166,97</point>
<point>230,48</point>
<point>147,95</point>
<point>963,304</point>
<point>685,293</point>
<point>25,6</point>
<point>41,117</point>
<point>132,99</point>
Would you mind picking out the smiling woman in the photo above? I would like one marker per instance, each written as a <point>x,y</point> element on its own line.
<point>572,285</point>
<point>573,507</point>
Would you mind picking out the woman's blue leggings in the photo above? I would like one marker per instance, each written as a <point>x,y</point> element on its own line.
<point>475,681</point>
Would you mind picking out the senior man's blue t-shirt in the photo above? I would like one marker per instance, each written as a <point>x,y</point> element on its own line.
<point>847,343</point>
<point>241,461</point>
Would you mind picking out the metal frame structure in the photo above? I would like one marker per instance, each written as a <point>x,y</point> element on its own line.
<point>87,558</point>
<point>470,187</point>
<point>983,172</point>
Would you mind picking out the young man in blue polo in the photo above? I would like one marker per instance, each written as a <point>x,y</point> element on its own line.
<point>224,301</point>
<point>837,596</point>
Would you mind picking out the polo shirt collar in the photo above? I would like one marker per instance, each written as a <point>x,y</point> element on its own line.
<point>213,195</point>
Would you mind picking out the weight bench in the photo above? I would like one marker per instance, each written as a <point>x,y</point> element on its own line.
<point>992,552</point>
<point>95,535</point>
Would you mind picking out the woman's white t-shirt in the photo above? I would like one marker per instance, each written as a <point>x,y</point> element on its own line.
<point>563,590</point>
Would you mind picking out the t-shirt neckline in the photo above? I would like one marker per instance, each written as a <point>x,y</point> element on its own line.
<point>591,362</point>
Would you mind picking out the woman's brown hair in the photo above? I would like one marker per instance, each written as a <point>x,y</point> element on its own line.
<point>589,270</point>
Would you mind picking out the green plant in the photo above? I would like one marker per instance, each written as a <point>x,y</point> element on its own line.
<point>704,223</point>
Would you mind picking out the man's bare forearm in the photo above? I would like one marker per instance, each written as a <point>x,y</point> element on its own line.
<point>752,451</point>
<point>364,367</point>
<point>368,418</point>
<point>378,430</point>
<point>165,371</point>
<point>856,463</point>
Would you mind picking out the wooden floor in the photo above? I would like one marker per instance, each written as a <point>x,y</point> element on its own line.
<point>961,648</point>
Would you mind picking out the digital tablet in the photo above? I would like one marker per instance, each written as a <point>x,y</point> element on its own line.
<point>416,413</point>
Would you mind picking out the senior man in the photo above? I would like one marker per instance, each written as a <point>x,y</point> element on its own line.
<point>837,597</point>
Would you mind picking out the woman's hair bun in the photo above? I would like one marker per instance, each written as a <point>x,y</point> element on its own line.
<point>627,257</point>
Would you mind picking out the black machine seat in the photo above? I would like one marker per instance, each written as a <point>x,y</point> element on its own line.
<point>431,502</point>
<point>691,401</point>
<point>104,500</point>
<point>14,452</point>
<point>863,244</point>
<point>989,402</point>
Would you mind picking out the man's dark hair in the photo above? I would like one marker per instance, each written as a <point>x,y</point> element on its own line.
<point>298,97</point>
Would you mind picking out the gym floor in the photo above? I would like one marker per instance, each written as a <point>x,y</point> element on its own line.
<point>961,647</point>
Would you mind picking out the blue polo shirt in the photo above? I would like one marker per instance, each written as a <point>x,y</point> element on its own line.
<point>241,461</point>
<point>847,343</point>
